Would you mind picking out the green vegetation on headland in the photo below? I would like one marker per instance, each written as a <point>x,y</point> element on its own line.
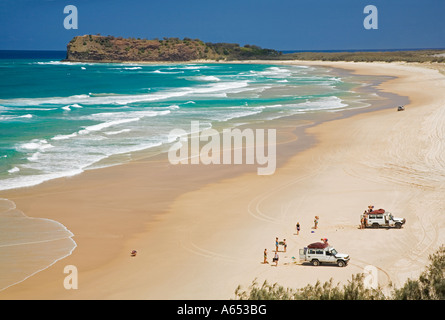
<point>370,56</point>
<point>429,286</point>
<point>97,48</point>
<point>109,49</point>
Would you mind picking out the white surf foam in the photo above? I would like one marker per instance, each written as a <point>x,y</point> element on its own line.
<point>62,63</point>
<point>13,170</point>
<point>111,119</point>
<point>26,116</point>
<point>64,137</point>
<point>324,103</point>
<point>34,157</point>
<point>32,180</point>
<point>206,78</point>
<point>127,99</point>
<point>108,116</point>
<point>101,126</point>
<point>168,72</point>
<point>112,133</point>
<point>36,144</point>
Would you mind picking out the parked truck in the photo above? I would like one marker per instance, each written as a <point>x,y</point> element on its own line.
<point>318,253</point>
<point>381,218</point>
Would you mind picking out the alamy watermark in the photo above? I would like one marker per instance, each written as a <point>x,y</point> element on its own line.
<point>235,146</point>
<point>71,20</point>
<point>70,282</point>
<point>371,279</point>
<point>371,20</point>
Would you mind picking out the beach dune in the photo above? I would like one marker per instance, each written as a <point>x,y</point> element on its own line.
<point>199,238</point>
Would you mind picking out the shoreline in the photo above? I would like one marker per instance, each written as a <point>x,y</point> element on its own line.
<point>156,150</point>
<point>92,267</point>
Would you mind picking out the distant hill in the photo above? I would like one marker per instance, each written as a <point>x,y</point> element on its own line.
<point>96,48</point>
<point>427,55</point>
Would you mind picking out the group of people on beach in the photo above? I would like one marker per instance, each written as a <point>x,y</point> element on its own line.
<point>276,257</point>
<point>284,244</point>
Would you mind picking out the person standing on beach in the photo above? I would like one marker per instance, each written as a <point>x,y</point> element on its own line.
<point>316,222</point>
<point>265,256</point>
<point>275,259</point>
<point>298,228</point>
<point>365,219</point>
<point>284,244</point>
<point>276,244</point>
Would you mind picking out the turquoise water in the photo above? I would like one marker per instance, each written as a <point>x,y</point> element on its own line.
<point>58,119</point>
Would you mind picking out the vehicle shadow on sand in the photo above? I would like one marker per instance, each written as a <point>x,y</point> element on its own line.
<point>308,264</point>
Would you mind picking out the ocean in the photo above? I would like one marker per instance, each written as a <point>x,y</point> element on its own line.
<point>58,119</point>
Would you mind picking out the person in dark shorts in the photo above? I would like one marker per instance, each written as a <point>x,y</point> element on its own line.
<point>275,259</point>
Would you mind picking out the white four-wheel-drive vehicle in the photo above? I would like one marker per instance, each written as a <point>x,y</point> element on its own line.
<point>317,253</point>
<point>381,218</point>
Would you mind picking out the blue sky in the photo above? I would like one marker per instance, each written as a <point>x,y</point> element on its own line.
<point>276,24</point>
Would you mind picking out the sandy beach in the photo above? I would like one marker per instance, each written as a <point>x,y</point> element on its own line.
<point>200,231</point>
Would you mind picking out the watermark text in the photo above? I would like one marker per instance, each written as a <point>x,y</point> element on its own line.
<point>235,146</point>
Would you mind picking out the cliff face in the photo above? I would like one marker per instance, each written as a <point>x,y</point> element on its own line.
<point>104,49</point>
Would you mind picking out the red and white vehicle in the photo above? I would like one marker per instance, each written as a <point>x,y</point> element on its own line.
<point>381,218</point>
<point>319,252</point>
